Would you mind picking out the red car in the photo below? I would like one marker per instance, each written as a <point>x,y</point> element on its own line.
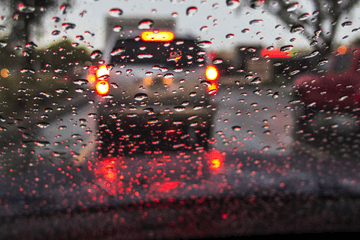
<point>330,102</point>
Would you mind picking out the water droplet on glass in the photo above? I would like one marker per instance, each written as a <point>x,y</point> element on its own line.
<point>2,44</point>
<point>63,8</point>
<point>346,24</point>
<point>96,54</point>
<point>217,61</point>
<point>2,28</point>
<point>255,21</point>
<point>68,25</point>
<point>55,19</point>
<point>256,80</point>
<point>115,12</point>
<point>27,70</point>
<point>145,24</point>
<point>191,11</point>
<point>245,30</point>
<point>286,48</point>
<point>25,9</point>
<point>232,4</point>
<point>179,108</point>
<point>42,124</point>
<point>292,7</point>
<point>203,28</point>
<point>304,17</point>
<point>229,36</point>
<point>117,51</point>
<point>80,81</point>
<point>297,29</point>
<point>117,28</point>
<point>169,75</point>
<point>55,32</point>
<point>79,37</point>
<point>236,128</point>
<point>323,62</point>
<point>140,96</point>
<point>204,44</point>
<point>174,14</point>
<point>215,6</point>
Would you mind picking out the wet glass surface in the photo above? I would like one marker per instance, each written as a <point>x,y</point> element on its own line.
<point>170,119</point>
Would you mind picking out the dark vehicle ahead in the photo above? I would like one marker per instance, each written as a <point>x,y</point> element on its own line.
<point>330,102</point>
<point>155,95</point>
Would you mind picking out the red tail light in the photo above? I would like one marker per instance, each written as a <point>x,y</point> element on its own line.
<point>211,73</point>
<point>103,72</point>
<point>102,87</point>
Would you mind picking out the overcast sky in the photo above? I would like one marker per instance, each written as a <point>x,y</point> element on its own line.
<point>213,15</point>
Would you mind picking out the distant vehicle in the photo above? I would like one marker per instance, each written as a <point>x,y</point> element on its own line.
<point>155,94</point>
<point>330,102</point>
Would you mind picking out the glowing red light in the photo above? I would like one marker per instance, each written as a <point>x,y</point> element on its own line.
<point>275,53</point>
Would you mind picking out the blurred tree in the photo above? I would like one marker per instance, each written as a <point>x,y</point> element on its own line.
<point>61,55</point>
<point>26,15</point>
<point>319,26</point>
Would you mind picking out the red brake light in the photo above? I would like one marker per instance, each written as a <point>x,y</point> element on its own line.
<point>211,73</point>
<point>102,72</point>
<point>102,87</point>
<point>149,36</point>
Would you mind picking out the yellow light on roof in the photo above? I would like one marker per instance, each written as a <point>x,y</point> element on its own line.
<point>149,36</point>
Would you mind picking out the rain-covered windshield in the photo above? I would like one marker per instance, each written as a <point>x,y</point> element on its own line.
<point>168,119</point>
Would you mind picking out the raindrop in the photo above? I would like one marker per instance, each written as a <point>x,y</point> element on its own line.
<point>30,45</point>
<point>179,108</point>
<point>191,11</point>
<point>297,29</point>
<point>2,44</point>
<point>117,28</point>
<point>80,81</point>
<point>236,128</point>
<point>25,9</point>
<point>117,51</point>
<point>286,48</point>
<point>79,37</point>
<point>245,30</point>
<point>67,26</point>
<point>174,14</point>
<point>203,28</point>
<point>204,44</point>
<point>304,17</point>
<point>145,24</point>
<point>55,19</point>
<point>55,32</point>
<point>323,62</point>
<point>292,7</point>
<point>229,36</point>
<point>96,54</point>
<point>255,21</point>
<point>256,80</point>
<point>27,70</point>
<point>169,75</point>
<point>2,28</point>
<point>215,6</point>
<point>346,24</point>
<point>217,61</point>
<point>63,8</point>
<point>232,4</point>
<point>140,96</point>
<point>42,124</point>
<point>115,12</point>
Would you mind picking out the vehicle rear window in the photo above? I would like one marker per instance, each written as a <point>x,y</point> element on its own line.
<point>342,62</point>
<point>177,53</point>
